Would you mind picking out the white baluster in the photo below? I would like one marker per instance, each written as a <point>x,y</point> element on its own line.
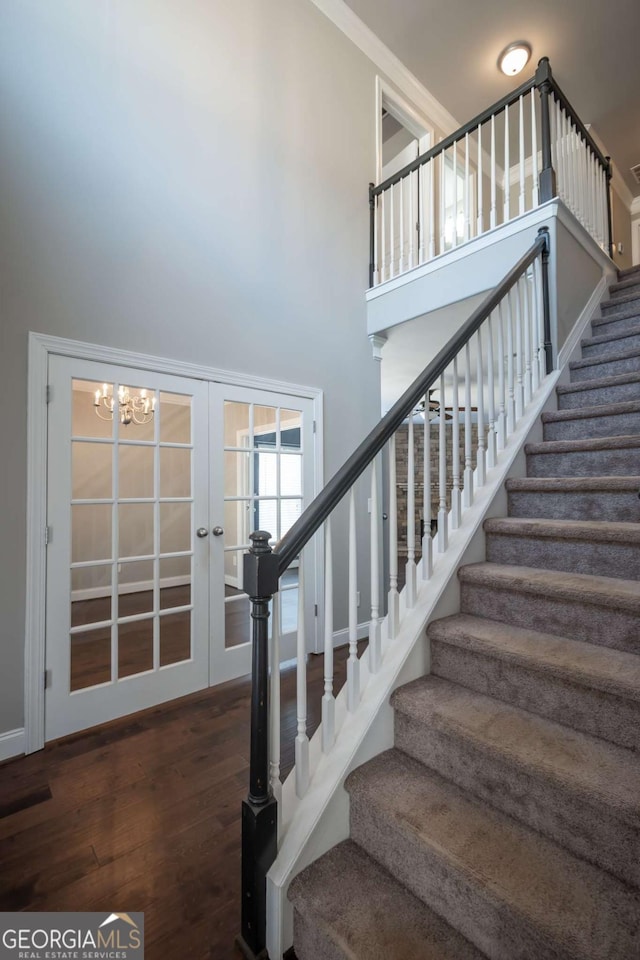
<point>454,241</point>
<point>302,740</point>
<point>467,205</point>
<point>556,125</point>
<point>392,232</point>
<point>401,263</point>
<point>353,664</point>
<point>393,614</point>
<point>493,216</point>
<point>511,408</point>
<point>467,490</point>
<point>507,168</point>
<point>481,465</point>
<point>542,358</point>
<point>432,211</point>
<point>456,504</point>
<point>375,640</point>
<point>383,240</point>
<point>502,397</point>
<point>519,354</point>
<point>535,332</point>
<point>442,203</point>
<point>376,243</point>
<point>328,700</point>
<point>427,540</point>
<point>480,184</point>
<point>422,213</point>
<point>491,397</point>
<point>413,218</point>
<point>274,700</point>
<point>443,533</point>
<point>522,198</point>
<point>534,150</point>
<point>526,322</point>
<point>410,569</point>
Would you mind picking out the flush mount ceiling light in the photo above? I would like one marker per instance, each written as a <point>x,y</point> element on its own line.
<point>514,58</point>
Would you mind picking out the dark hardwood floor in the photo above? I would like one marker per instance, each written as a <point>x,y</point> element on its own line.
<point>143,814</point>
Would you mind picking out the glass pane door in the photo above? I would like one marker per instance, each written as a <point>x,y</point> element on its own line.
<point>266,479</point>
<point>127,597</point>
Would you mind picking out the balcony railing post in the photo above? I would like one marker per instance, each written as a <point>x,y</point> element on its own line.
<point>547,173</point>
<point>609,173</point>
<point>546,311</point>
<point>372,235</point>
<point>259,810</point>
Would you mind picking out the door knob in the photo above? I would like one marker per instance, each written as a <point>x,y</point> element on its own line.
<point>217,531</point>
<point>202,532</point>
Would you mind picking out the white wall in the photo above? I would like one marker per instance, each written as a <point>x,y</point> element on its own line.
<point>170,183</point>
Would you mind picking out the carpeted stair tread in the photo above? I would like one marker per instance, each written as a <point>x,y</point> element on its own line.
<point>578,446</point>
<point>632,353</point>
<point>623,298</point>
<point>585,664</point>
<point>624,284</point>
<point>598,531</point>
<point>600,339</point>
<point>584,767</point>
<point>629,272</point>
<point>598,410</point>
<point>358,911</point>
<point>584,385</point>
<point>510,890</point>
<point>618,594</point>
<point>573,484</point>
<point>610,320</point>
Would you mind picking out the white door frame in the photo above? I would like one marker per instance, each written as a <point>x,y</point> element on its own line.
<point>405,112</point>
<point>40,346</point>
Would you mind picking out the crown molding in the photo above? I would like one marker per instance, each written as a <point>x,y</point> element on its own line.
<point>372,46</point>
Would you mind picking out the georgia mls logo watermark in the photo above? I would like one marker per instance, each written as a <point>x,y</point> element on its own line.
<point>71,936</point>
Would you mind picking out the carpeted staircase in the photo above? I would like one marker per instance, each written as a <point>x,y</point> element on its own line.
<point>505,823</point>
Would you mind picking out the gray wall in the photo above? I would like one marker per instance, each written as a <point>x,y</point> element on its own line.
<point>578,276</point>
<point>188,180</point>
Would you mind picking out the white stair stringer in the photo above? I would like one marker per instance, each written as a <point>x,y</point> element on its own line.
<point>318,821</point>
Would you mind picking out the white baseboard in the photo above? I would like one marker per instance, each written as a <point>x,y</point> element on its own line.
<point>11,744</point>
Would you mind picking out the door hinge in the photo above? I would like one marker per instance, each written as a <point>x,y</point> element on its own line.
<point>315,609</point>
<point>47,679</point>
<point>314,426</point>
<point>47,393</point>
<point>48,535</point>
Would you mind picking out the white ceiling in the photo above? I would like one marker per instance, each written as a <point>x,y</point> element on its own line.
<point>593,46</point>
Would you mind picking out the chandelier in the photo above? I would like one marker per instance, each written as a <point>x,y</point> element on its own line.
<point>132,407</point>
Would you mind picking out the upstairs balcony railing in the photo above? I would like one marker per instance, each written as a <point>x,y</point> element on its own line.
<point>527,148</point>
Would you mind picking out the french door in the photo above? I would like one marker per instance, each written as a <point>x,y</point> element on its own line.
<point>154,484</point>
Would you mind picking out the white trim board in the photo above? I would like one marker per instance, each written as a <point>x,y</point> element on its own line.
<point>12,744</point>
<point>40,347</point>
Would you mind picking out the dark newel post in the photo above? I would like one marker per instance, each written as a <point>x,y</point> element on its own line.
<point>547,173</point>
<point>609,172</point>
<point>548,346</point>
<point>372,235</point>
<point>259,820</point>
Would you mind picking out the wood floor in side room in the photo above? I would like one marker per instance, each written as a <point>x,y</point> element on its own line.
<point>143,814</point>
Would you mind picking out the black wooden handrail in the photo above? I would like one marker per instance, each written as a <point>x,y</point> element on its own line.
<point>263,567</point>
<point>318,511</point>
<point>543,74</point>
<point>459,134</point>
<point>579,125</point>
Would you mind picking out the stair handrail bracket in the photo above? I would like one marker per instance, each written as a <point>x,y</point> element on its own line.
<point>485,378</point>
<point>526,149</point>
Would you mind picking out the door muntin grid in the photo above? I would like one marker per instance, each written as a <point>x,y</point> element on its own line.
<point>131,539</point>
<point>263,489</point>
